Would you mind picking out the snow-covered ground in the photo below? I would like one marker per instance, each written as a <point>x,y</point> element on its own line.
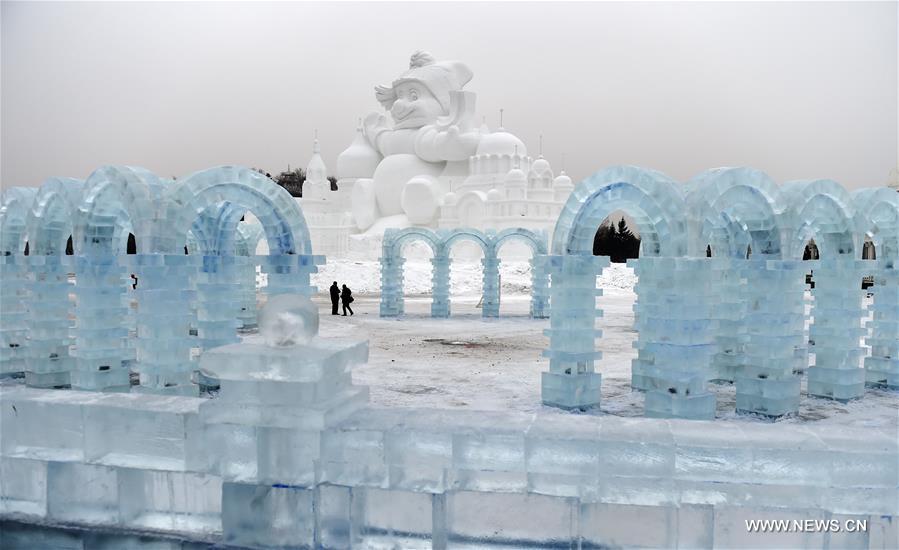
<point>469,362</point>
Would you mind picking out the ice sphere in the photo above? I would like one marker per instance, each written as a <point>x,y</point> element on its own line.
<point>288,320</point>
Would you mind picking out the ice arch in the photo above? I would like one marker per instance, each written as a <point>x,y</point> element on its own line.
<point>651,198</point>
<point>116,198</point>
<point>392,302</point>
<point>441,243</point>
<point>16,202</point>
<point>50,219</point>
<point>877,217</point>
<point>283,221</point>
<point>823,210</point>
<point>731,209</point>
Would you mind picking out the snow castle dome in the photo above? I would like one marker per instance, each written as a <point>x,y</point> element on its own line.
<point>562,180</point>
<point>541,168</point>
<point>501,143</point>
<point>516,178</point>
<point>450,199</point>
<point>494,194</point>
<point>359,160</point>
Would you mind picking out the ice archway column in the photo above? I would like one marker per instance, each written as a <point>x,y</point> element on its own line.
<point>877,216</point>
<point>760,341</point>
<point>656,206</point>
<point>823,210</point>
<point>234,190</point>
<point>50,224</point>
<point>116,200</point>
<point>16,201</point>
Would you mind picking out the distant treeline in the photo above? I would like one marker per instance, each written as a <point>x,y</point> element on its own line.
<point>618,244</point>
<point>292,180</point>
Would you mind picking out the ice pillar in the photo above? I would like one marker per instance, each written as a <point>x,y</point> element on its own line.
<point>13,314</point>
<point>217,301</point>
<point>392,303</point>
<point>163,323</point>
<point>100,316</point>
<point>775,342</point>
<point>731,313</point>
<point>129,297</point>
<point>677,325</point>
<point>440,282</point>
<point>837,330</point>
<point>882,366</point>
<point>246,280</point>
<point>539,289</point>
<point>572,382</point>
<point>49,362</point>
<point>491,290</point>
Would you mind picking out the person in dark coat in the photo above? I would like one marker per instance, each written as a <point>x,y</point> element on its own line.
<point>335,298</point>
<point>346,296</point>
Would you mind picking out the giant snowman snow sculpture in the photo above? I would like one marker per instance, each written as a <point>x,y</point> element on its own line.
<point>430,140</point>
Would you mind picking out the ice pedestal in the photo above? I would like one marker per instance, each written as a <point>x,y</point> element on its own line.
<point>263,432</point>
<point>440,285</point>
<point>572,382</point>
<point>882,366</point>
<point>491,291</point>
<point>837,330</point>
<point>392,303</point>
<point>13,314</point>
<point>49,361</point>
<point>776,343</point>
<point>163,323</point>
<point>99,332</point>
<point>676,317</point>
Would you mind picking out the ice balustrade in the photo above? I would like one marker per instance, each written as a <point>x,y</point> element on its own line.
<point>441,242</point>
<point>212,289</point>
<point>740,316</point>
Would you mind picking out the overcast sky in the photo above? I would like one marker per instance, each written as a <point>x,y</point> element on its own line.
<point>800,90</point>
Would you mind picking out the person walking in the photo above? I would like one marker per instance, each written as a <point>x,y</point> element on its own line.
<point>335,298</point>
<point>346,296</point>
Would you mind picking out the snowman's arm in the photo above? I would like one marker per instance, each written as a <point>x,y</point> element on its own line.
<point>437,145</point>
